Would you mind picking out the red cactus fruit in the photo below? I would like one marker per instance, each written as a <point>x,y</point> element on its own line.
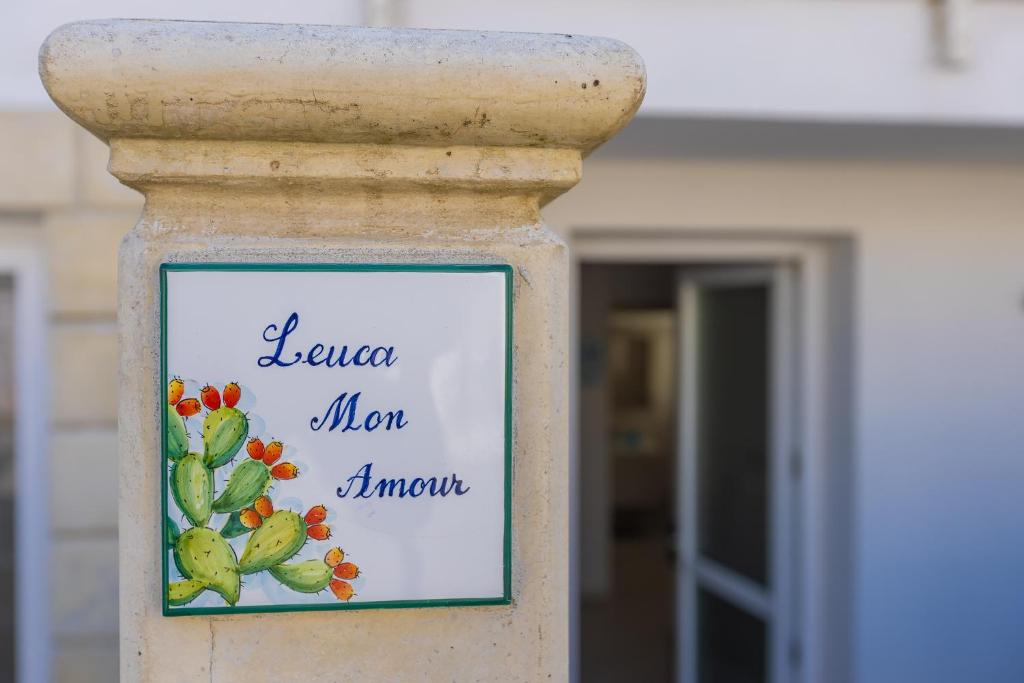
<point>250,519</point>
<point>210,396</point>
<point>175,390</point>
<point>316,514</point>
<point>254,448</point>
<point>346,570</point>
<point>284,470</point>
<point>334,557</point>
<point>188,407</point>
<point>232,392</point>
<point>273,452</point>
<point>342,590</point>
<point>264,506</point>
<point>319,532</point>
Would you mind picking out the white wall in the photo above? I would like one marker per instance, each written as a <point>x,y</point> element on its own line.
<point>835,60</point>
<point>939,372</point>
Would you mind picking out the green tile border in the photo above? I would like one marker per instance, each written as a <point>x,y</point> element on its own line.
<point>504,599</point>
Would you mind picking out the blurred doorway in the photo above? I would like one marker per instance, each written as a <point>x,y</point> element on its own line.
<point>687,490</point>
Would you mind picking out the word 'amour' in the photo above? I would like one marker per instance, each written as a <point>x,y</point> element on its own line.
<point>362,485</point>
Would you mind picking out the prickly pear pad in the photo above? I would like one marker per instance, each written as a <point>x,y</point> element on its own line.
<point>233,528</point>
<point>192,488</point>
<point>205,556</point>
<point>177,437</point>
<point>311,576</point>
<point>184,591</point>
<point>224,432</point>
<point>247,482</point>
<point>280,537</point>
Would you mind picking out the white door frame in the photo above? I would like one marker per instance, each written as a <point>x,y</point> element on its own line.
<point>32,531</point>
<point>772,604</point>
<point>814,417</point>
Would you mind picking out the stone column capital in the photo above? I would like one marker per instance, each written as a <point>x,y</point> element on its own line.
<point>195,102</point>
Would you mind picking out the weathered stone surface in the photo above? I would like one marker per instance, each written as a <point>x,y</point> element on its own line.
<point>224,81</point>
<point>97,189</point>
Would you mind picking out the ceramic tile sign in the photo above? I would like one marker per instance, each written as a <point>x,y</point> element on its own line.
<point>335,436</point>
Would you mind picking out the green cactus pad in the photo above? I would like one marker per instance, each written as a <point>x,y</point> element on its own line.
<point>247,482</point>
<point>311,576</point>
<point>280,537</point>
<point>172,532</point>
<point>183,592</point>
<point>204,555</point>
<point>224,432</point>
<point>192,488</point>
<point>177,437</point>
<point>234,528</point>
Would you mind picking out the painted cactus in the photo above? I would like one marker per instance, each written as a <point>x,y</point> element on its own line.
<point>203,556</point>
<point>192,488</point>
<point>248,481</point>
<point>277,540</point>
<point>224,432</point>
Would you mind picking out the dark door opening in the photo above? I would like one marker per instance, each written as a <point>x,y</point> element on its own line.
<point>627,402</point>
<point>683,542</point>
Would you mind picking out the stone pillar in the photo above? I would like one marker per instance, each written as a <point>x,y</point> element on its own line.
<point>265,143</point>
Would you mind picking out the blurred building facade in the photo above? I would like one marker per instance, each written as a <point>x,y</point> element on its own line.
<point>871,149</point>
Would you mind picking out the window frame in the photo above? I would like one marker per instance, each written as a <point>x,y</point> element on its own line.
<point>24,264</point>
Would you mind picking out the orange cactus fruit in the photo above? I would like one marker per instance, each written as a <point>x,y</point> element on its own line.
<point>264,506</point>
<point>346,570</point>
<point>284,470</point>
<point>316,514</point>
<point>210,396</point>
<point>342,590</point>
<point>334,557</point>
<point>319,532</point>
<point>254,448</point>
<point>188,407</point>
<point>232,392</point>
<point>250,519</point>
<point>175,389</point>
<point>273,452</point>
